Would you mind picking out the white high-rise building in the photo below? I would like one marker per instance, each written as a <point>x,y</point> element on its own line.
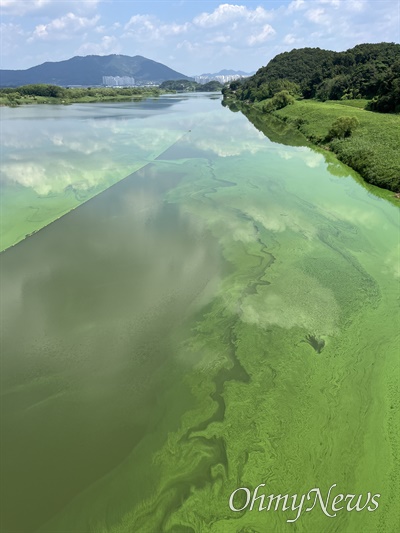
<point>118,81</point>
<point>221,78</point>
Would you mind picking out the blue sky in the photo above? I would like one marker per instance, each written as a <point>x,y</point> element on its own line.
<point>188,35</point>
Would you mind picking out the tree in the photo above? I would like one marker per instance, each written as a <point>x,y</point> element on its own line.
<point>343,127</point>
<point>277,86</point>
<point>211,86</point>
<point>282,99</point>
<point>279,101</point>
<point>365,71</point>
<point>387,99</point>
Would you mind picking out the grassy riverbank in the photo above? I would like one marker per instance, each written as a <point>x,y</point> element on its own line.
<point>372,148</point>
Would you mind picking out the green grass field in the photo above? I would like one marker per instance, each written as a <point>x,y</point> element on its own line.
<point>372,149</point>
<point>359,102</point>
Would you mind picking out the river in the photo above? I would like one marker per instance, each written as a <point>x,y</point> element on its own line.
<point>189,307</point>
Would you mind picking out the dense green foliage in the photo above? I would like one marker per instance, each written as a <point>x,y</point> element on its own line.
<point>43,93</point>
<point>370,71</point>
<point>278,101</point>
<point>210,86</point>
<point>244,90</point>
<point>343,127</point>
<point>178,85</point>
<point>388,96</point>
<point>188,85</point>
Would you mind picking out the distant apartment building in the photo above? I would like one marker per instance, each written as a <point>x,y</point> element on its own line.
<point>221,79</point>
<point>118,81</point>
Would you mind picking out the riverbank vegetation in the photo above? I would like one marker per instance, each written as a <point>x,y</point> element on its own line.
<point>330,98</point>
<point>188,85</point>
<point>370,146</point>
<point>54,94</point>
<point>367,71</point>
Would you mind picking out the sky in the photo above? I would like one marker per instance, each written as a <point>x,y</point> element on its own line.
<point>190,36</point>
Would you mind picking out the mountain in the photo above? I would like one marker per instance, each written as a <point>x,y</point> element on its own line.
<point>370,71</point>
<point>89,70</point>
<point>228,73</point>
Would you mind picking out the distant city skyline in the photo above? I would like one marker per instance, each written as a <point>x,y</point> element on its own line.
<point>118,81</point>
<point>221,78</point>
<point>189,36</point>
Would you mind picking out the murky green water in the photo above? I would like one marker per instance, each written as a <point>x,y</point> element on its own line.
<point>223,317</point>
<point>57,157</point>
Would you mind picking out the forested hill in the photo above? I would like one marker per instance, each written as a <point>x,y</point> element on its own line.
<point>187,85</point>
<point>89,70</point>
<point>369,71</point>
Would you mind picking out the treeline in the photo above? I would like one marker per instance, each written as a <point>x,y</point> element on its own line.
<point>188,85</point>
<point>42,92</point>
<point>47,93</point>
<point>370,71</point>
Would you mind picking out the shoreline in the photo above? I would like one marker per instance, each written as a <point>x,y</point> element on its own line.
<point>54,94</point>
<point>370,151</point>
<point>83,100</point>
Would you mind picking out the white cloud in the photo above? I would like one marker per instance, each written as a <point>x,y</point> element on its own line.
<point>233,24</point>
<point>61,28</point>
<point>23,7</point>
<point>220,39</point>
<point>334,3</point>
<point>145,27</point>
<point>139,20</point>
<point>108,45</point>
<point>266,32</point>
<point>173,29</point>
<point>229,13</point>
<point>289,39</point>
<point>188,45</point>
<point>259,15</point>
<point>296,5</point>
<point>210,38</point>
<point>355,5</point>
<point>317,15</point>
<point>20,7</point>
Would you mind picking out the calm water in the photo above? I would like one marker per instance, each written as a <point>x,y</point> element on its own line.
<point>224,316</point>
<point>56,157</point>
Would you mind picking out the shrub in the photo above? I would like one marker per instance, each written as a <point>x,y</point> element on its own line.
<point>279,101</point>
<point>343,127</point>
<point>268,107</point>
<point>282,99</point>
<point>43,90</point>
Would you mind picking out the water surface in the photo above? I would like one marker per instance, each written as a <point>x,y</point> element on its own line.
<point>55,157</point>
<point>223,317</point>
